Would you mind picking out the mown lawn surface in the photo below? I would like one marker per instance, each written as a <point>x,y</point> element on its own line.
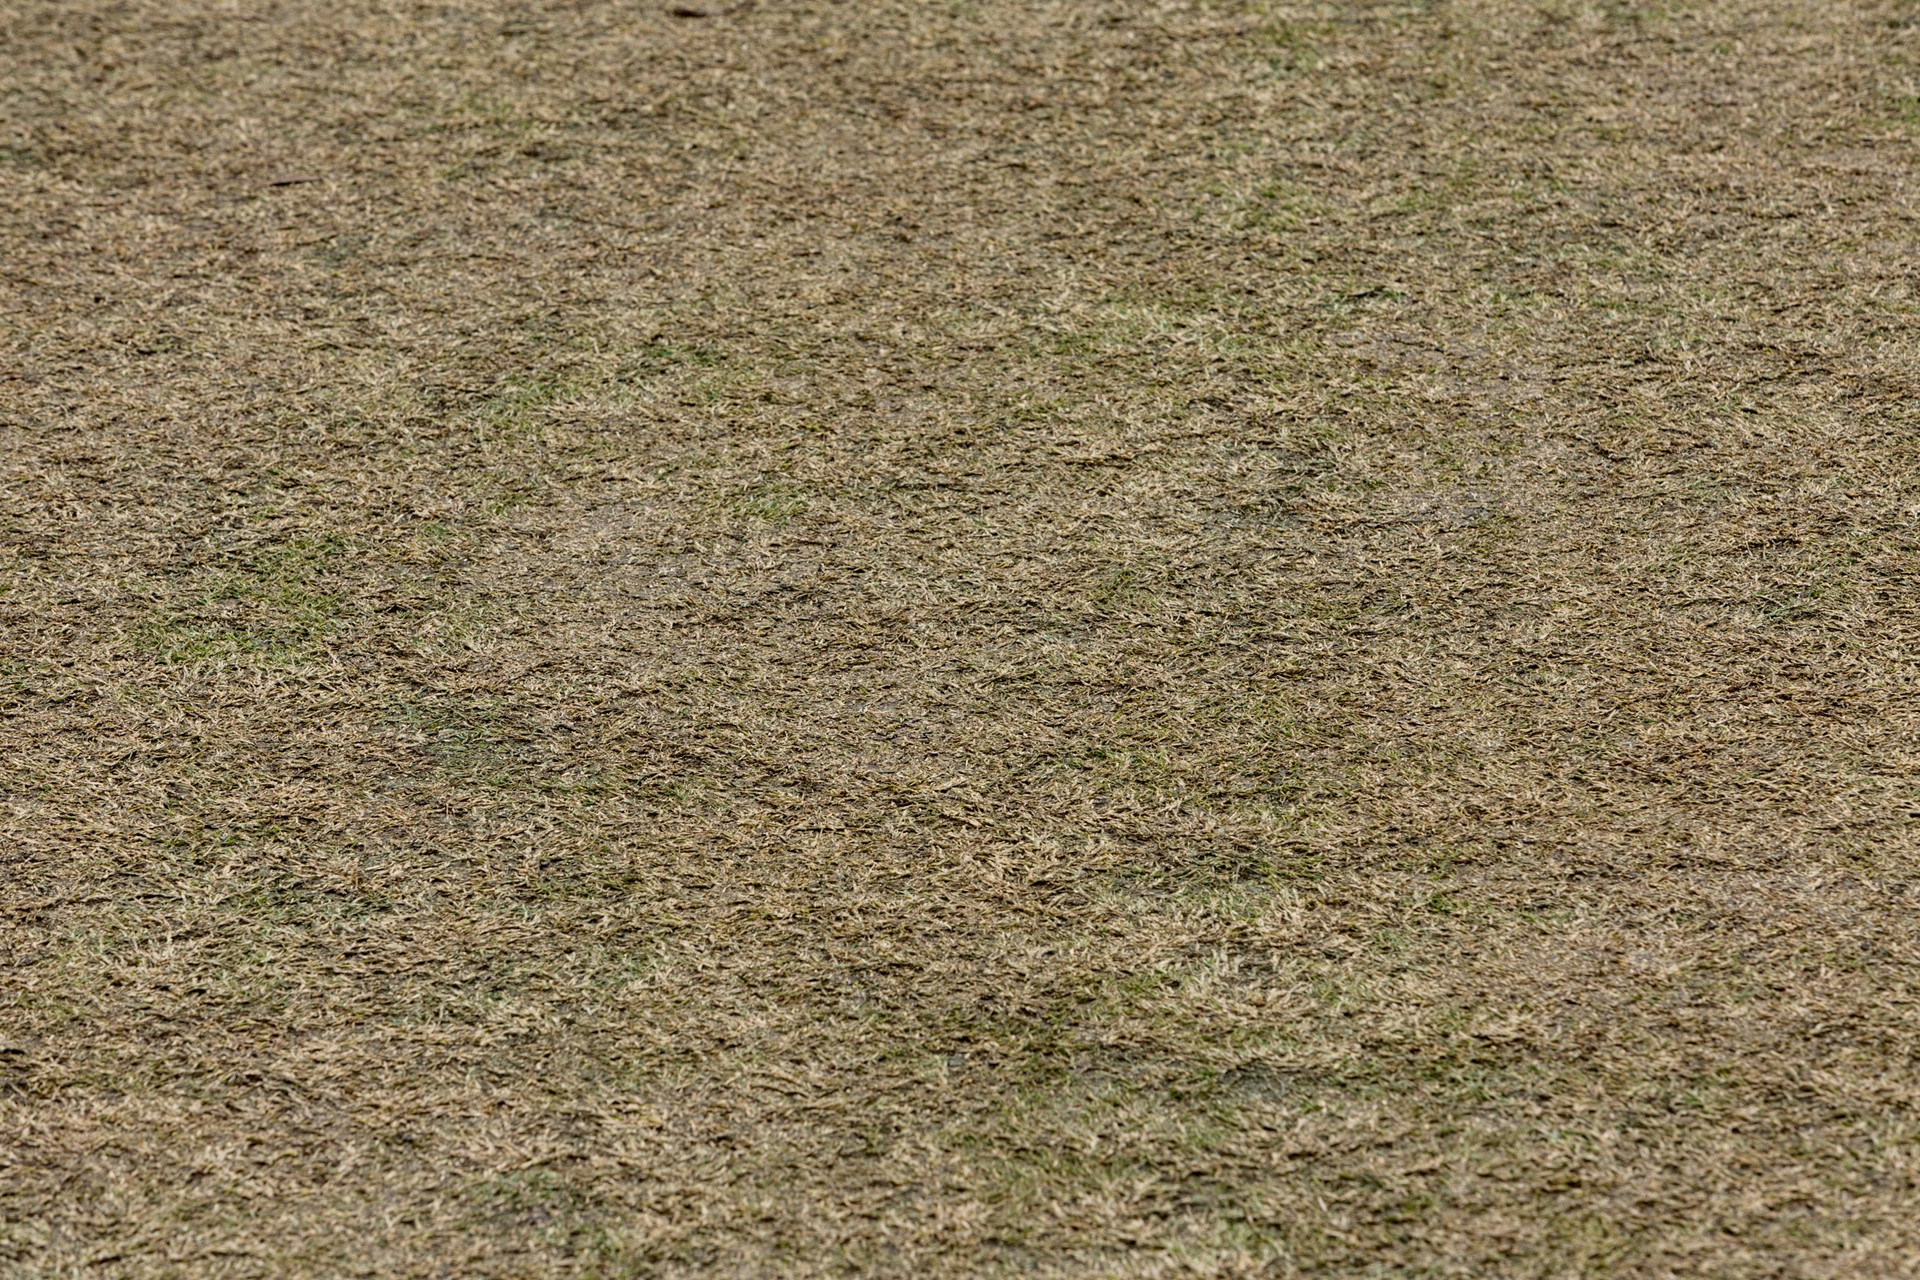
<point>974,639</point>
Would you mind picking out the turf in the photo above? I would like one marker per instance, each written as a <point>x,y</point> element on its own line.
<point>959,639</point>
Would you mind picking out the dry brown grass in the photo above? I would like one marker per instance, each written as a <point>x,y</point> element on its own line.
<point>959,639</point>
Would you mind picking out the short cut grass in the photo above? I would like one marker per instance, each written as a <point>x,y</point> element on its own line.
<point>1194,637</point>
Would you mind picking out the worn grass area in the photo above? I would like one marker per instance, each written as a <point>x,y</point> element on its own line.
<point>1069,639</point>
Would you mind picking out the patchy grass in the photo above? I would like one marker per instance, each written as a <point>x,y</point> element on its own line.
<point>958,639</point>
<point>265,606</point>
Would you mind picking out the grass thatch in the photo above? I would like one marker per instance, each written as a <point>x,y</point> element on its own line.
<point>1096,639</point>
